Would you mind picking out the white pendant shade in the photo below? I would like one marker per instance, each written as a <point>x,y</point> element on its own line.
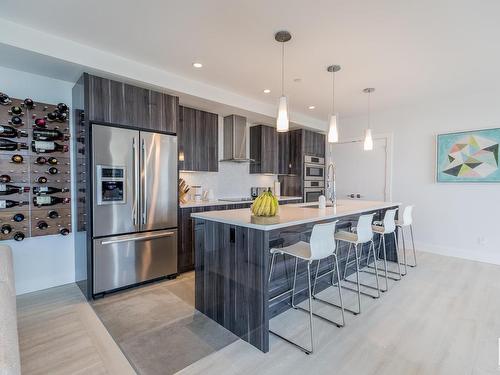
<point>333,133</point>
<point>282,123</point>
<point>368,144</point>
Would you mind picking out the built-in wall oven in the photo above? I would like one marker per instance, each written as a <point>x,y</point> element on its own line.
<point>314,168</point>
<point>314,178</point>
<point>312,190</point>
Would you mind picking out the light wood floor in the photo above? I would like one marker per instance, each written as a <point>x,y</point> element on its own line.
<point>59,333</point>
<point>442,318</point>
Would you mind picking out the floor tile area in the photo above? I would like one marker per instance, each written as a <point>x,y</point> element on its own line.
<point>157,327</point>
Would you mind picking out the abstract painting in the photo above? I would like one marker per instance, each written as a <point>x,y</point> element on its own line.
<point>469,156</point>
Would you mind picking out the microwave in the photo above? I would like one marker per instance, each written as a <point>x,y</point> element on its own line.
<point>314,168</point>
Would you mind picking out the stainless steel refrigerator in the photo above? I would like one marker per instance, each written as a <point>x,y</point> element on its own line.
<point>134,207</point>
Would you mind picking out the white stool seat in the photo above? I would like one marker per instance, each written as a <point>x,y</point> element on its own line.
<point>345,236</point>
<point>301,250</point>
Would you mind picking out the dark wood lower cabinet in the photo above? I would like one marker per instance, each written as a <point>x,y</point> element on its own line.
<point>185,246</point>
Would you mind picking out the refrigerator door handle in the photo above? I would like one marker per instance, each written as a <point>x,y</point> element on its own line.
<point>144,184</point>
<point>134,184</point>
<point>138,238</point>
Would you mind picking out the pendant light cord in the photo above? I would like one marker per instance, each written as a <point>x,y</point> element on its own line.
<point>369,110</point>
<point>333,93</point>
<point>282,69</point>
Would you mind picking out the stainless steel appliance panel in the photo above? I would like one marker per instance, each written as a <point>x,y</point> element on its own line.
<point>115,149</point>
<point>158,193</point>
<point>314,159</point>
<point>314,172</point>
<point>121,261</point>
<point>312,194</point>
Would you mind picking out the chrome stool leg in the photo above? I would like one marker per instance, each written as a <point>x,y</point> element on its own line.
<point>335,268</point>
<point>305,350</point>
<point>413,244</point>
<point>405,261</point>
<point>271,268</point>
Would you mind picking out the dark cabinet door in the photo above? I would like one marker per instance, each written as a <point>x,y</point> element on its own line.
<point>197,135</point>
<point>123,104</point>
<point>296,152</point>
<point>264,149</point>
<point>314,143</point>
<point>284,153</point>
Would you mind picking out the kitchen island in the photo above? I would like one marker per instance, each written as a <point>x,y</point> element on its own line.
<point>232,262</point>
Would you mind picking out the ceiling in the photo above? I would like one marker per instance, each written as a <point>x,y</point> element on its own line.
<point>407,50</point>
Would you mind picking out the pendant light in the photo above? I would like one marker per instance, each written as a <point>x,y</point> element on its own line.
<point>368,144</point>
<point>333,132</point>
<point>282,122</point>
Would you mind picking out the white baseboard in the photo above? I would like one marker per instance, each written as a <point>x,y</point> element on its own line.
<point>485,256</point>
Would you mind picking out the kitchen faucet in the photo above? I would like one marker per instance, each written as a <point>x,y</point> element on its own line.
<point>331,190</point>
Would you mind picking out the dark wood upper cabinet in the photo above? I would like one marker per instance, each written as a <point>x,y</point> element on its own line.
<point>198,134</point>
<point>314,143</point>
<point>263,149</point>
<point>123,104</point>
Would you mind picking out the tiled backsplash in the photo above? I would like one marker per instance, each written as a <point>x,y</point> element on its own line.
<point>232,180</point>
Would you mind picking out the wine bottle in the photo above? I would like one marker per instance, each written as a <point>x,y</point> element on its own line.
<point>4,99</point>
<point>44,200</point>
<point>40,123</point>
<point>62,108</point>
<point>28,103</point>
<point>6,229</point>
<point>48,190</point>
<point>52,116</point>
<point>47,147</point>
<point>6,189</point>
<point>52,160</point>
<point>41,180</point>
<point>64,231</point>
<point>8,203</point>
<point>17,159</point>
<point>52,170</point>
<point>16,121</point>
<point>41,160</point>
<point>42,225</point>
<point>8,145</point>
<point>18,217</point>
<point>16,110</point>
<point>62,117</point>
<point>11,132</point>
<point>49,135</point>
<point>5,178</point>
<point>53,214</point>
<point>19,236</point>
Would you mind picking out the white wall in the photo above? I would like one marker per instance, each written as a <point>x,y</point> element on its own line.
<point>40,262</point>
<point>452,219</point>
<point>233,179</point>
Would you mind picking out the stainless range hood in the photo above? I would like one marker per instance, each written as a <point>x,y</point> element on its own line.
<point>235,139</point>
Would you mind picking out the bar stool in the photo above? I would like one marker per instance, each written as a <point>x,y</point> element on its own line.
<point>363,235</point>
<point>321,246</point>
<point>405,223</point>
<point>387,226</point>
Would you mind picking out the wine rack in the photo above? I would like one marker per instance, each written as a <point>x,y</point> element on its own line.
<point>45,220</point>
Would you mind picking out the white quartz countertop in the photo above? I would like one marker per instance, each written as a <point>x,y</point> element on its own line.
<point>295,214</point>
<point>220,203</point>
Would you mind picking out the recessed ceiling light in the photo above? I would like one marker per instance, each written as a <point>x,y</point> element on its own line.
<point>198,65</point>
<point>267,91</point>
<point>311,107</point>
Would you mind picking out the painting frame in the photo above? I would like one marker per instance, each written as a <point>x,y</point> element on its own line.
<point>488,140</point>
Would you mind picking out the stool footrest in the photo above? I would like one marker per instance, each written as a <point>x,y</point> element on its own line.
<point>319,316</point>
<point>306,351</point>
<point>382,273</point>
<point>281,294</point>
<point>365,285</point>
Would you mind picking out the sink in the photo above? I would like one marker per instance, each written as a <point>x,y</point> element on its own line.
<point>317,206</point>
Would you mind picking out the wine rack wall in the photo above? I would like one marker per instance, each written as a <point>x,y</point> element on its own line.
<point>35,179</point>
